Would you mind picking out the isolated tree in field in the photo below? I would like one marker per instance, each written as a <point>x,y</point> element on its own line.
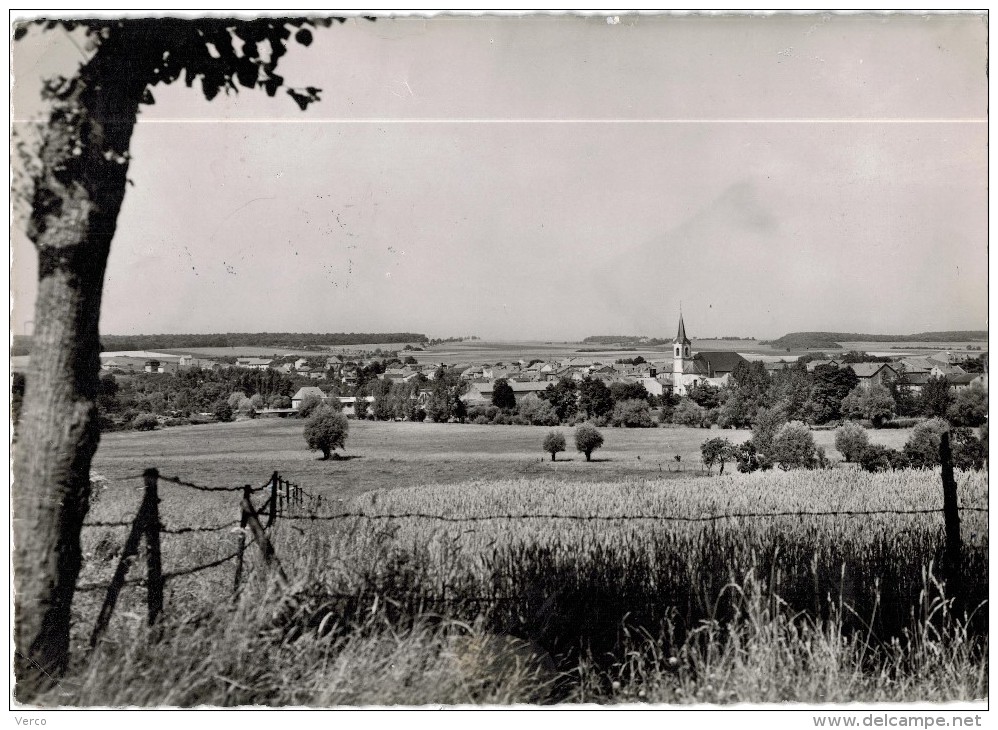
<point>969,408</point>
<point>793,447</point>
<point>716,451</point>
<point>553,443</point>
<point>502,395</point>
<point>77,183</point>
<point>588,439</point>
<point>326,430</point>
<point>851,440</point>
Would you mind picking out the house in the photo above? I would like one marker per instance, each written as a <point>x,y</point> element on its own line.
<point>305,392</point>
<point>873,373</point>
<point>653,386</point>
<point>719,364</point>
<point>253,363</point>
<point>811,365</point>
<point>915,381</point>
<point>962,381</point>
<point>348,404</point>
<point>301,364</point>
<point>481,393</point>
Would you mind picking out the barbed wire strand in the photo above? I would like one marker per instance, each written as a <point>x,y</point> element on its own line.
<point>617,518</point>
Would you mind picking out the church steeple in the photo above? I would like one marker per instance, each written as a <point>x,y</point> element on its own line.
<point>681,338</point>
<point>681,352</point>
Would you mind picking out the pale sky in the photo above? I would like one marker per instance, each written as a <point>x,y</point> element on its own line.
<point>557,177</point>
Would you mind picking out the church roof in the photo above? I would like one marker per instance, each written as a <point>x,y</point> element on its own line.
<point>681,338</point>
<point>722,362</point>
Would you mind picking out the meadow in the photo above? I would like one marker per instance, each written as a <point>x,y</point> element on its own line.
<point>387,455</point>
<point>664,607</point>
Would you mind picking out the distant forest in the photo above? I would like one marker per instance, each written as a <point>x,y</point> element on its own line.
<point>623,340</point>
<point>290,340</point>
<point>796,340</point>
<point>638,339</point>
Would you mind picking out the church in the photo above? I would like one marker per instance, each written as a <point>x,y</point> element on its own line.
<point>689,370</point>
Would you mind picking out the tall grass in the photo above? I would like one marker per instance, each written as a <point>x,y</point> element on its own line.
<point>413,611</point>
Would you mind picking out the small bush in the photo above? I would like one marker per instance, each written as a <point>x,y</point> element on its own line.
<point>145,422</point>
<point>632,414</point>
<point>588,439</point>
<point>223,411</point>
<point>922,447</point>
<point>793,447</point>
<point>688,413</point>
<point>877,457</point>
<point>851,439</point>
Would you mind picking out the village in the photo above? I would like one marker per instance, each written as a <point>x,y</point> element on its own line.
<point>356,380</point>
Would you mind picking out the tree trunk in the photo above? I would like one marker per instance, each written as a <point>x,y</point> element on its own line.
<point>552,455</point>
<point>78,193</point>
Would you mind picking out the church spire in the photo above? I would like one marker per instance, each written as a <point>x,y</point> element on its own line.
<point>681,338</point>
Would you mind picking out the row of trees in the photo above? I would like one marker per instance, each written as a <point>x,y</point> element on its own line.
<point>827,394</point>
<point>790,445</point>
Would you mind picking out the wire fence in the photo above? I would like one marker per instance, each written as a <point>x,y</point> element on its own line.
<point>289,501</point>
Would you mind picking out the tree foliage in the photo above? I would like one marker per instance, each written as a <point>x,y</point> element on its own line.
<point>830,385</point>
<point>969,407</point>
<point>793,447</point>
<point>688,413</point>
<point>922,447</point>
<point>554,442</point>
<point>595,399</point>
<point>563,395</point>
<point>77,181</point>
<point>326,430</point>
<point>717,451</point>
<point>588,439</point>
<point>851,440</point>
<point>632,413</point>
<point>536,411</point>
<point>936,397</point>
<point>503,395</point>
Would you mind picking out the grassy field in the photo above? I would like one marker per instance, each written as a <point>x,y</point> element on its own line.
<point>411,610</point>
<point>386,455</point>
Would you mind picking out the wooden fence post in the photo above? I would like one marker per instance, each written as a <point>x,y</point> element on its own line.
<point>269,556</point>
<point>273,499</point>
<point>287,494</point>
<point>154,564</point>
<point>147,510</point>
<point>242,542</point>
<point>951,513</point>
